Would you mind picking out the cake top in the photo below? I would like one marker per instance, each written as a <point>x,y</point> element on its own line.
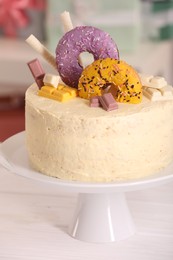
<point>106,83</point>
<point>79,107</point>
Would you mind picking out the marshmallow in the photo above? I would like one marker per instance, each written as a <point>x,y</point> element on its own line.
<point>51,80</point>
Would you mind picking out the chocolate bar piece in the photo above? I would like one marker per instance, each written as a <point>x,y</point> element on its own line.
<point>40,82</point>
<point>63,94</point>
<point>94,102</point>
<point>35,68</point>
<point>37,71</point>
<point>108,102</point>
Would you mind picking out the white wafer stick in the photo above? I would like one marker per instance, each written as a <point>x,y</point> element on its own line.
<point>37,46</point>
<point>66,21</point>
<point>67,24</point>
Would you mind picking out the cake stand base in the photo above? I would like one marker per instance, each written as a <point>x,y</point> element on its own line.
<point>101,218</point>
<point>102,214</point>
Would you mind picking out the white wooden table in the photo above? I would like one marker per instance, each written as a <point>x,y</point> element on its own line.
<point>34,217</point>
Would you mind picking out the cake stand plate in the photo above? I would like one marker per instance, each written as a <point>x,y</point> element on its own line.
<point>101,214</point>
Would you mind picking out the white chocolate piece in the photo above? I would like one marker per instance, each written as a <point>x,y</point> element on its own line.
<point>66,21</point>
<point>145,79</point>
<point>158,82</point>
<point>165,93</point>
<point>151,93</point>
<point>152,82</point>
<point>51,80</point>
<point>37,46</point>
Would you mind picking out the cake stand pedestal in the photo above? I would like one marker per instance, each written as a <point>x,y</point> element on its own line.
<point>101,218</point>
<point>101,214</point>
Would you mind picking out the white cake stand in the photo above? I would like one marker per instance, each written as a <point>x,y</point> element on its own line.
<point>102,214</point>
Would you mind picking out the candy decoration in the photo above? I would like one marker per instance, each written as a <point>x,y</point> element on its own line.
<point>51,80</point>
<point>94,102</point>
<point>66,21</point>
<point>78,40</point>
<point>37,46</point>
<point>62,93</point>
<point>116,74</point>
<point>153,82</point>
<point>108,102</point>
<point>37,71</point>
<point>165,93</point>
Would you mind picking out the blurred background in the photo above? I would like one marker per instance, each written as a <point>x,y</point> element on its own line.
<point>143,31</point>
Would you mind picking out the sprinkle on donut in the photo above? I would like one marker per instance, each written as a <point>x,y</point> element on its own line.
<point>78,40</point>
<point>111,75</point>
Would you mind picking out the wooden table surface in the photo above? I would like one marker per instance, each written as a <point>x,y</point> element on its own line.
<point>34,217</point>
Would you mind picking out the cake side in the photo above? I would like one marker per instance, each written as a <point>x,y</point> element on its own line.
<point>73,141</point>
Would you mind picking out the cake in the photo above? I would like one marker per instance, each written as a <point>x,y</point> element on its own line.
<point>109,124</point>
<point>76,142</point>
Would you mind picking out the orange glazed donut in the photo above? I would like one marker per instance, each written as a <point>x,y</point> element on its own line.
<point>103,73</point>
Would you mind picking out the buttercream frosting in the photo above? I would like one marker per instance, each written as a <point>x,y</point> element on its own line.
<point>73,141</point>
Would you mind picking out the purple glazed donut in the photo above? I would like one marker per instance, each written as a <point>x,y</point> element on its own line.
<point>78,40</point>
